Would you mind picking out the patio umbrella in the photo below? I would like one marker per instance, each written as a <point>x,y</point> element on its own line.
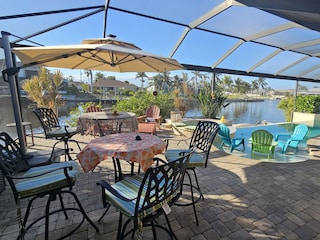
<point>106,54</point>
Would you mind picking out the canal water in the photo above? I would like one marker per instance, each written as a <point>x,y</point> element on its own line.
<point>237,112</point>
<point>249,112</point>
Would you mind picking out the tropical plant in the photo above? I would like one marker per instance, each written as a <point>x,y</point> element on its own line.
<point>210,102</point>
<point>44,89</point>
<point>141,100</point>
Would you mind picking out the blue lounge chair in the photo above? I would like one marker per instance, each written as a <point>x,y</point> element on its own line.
<point>224,134</point>
<point>300,131</point>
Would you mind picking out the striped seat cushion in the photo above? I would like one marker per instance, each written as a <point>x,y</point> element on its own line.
<point>31,186</point>
<point>197,159</point>
<point>129,187</point>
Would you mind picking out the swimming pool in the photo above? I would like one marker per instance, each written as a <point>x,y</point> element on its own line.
<point>290,156</point>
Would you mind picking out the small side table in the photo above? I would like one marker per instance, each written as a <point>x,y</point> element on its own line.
<point>24,124</point>
<point>149,127</point>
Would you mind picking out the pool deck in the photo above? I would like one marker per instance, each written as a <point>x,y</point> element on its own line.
<point>244,199</point>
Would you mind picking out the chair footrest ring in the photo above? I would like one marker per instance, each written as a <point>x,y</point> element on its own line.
<point>195,200</point>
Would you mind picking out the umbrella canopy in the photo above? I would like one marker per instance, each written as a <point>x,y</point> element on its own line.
<point>97,54</point>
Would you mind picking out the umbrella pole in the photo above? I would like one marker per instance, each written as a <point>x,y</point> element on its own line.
<point>106,6</point>
<point>9,75</point>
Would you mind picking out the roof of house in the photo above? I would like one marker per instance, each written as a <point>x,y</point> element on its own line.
<point>112,83</point>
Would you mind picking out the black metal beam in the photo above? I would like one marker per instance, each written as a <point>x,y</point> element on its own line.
<point>243,73</point>
<point>48,12</point>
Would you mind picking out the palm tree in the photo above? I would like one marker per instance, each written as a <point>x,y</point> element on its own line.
<point>141,75</point>
<point>98,76</point>
<point>177,82</point>
<point>262,83</point>
<point>166,80</point>
<point>238,85</point>
<point>157,82</point>
<point>255,85</point>
<point>227,83</point>
<point>194,79</point>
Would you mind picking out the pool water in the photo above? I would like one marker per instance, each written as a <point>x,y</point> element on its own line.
<point>290,156</point>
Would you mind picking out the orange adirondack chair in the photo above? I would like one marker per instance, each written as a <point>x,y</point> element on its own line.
<point>152,115</point>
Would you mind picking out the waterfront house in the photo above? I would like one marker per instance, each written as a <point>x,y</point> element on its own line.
<point>109,88</point>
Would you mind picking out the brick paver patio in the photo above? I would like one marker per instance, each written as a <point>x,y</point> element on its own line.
<point>244,199</point>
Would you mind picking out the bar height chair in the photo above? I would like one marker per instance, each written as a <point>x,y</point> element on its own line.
<point>53,181</point>
<point>53,129</point>
<point>201,142</point>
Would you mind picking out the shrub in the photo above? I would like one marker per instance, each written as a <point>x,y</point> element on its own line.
<point>306,104</point>
<point>141,100</point>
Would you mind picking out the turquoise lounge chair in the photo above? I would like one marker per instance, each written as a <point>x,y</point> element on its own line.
<point>224,134</point>
<point>262,142</point>
<point>300,131</point>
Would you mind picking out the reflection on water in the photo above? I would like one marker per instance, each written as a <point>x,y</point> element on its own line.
<point>250,112</point>
<point>7,116</point>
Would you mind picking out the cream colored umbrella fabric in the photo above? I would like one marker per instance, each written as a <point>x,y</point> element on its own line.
<point>106,54</point>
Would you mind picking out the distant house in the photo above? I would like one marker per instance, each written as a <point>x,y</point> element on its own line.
<point>111,88</point>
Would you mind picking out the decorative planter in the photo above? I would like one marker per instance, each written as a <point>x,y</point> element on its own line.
<point>310,119</point>
<point>176,116</point>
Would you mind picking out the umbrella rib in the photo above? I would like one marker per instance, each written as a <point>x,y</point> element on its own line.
<point>94,57</point>
<point>47,60</point>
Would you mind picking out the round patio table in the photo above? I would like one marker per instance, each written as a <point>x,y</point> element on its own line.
<point>107,122</point>
<point>121,146</point>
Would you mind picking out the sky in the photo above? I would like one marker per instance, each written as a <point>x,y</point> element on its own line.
<point>152,36</point>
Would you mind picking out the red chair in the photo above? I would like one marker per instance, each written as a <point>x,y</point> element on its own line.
<point>93,109</point>
<point>97,127</point>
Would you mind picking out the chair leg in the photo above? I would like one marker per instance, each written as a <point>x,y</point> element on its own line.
<point>154,233</point>
<point>192,197</point>
<point>172,235</point>
<point>51,198</point>
<point>197,182</point>
<point>105,212</point>
<point>62,206</point>
<point>193,201</point>
<point>82,210</point>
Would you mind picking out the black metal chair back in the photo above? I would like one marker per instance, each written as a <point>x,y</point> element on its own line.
<point>11,155</point>
<point>203,137</point>
<point>158,187</point>
<point>47,118</point>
